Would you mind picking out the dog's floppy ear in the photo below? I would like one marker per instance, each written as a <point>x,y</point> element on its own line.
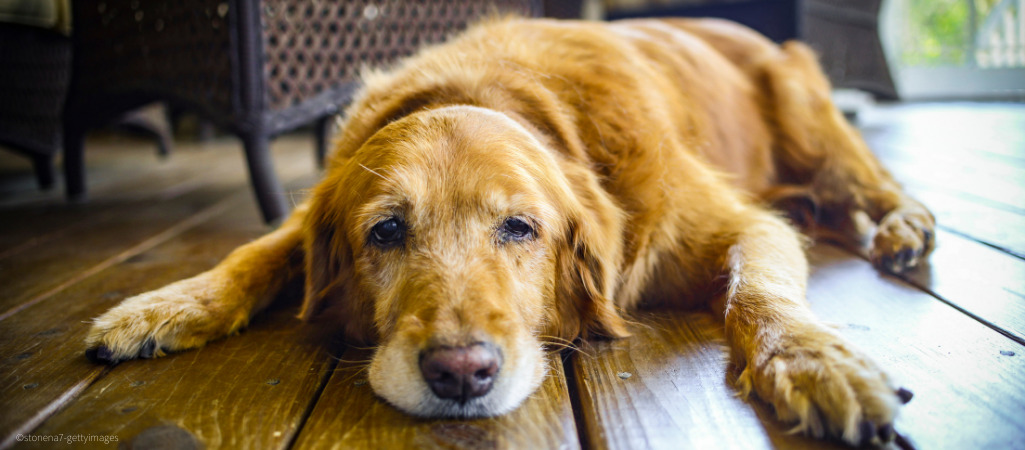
<point>589,261</point>
<point>325,262</point>
<point>329,288</point>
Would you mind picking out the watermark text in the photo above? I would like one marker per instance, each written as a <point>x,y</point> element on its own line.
<point>68,438</point>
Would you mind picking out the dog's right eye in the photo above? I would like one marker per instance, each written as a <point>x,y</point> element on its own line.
<point>388,233</point>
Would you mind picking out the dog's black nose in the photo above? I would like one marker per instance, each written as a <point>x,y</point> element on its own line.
<point>460,373</point>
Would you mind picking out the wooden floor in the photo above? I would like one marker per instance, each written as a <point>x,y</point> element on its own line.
<point>952,332</point>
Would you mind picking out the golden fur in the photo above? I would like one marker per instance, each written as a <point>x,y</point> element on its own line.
<point>642,154</point>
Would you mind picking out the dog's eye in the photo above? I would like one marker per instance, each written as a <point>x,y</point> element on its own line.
<point>516,229</point>
<point>388,233</point>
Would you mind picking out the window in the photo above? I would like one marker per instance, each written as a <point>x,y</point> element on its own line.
<point>956,48</point>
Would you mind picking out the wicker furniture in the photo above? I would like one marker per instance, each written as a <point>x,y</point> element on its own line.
<point>33,82</point>
<point>255,68</point>
<point>845,34</point>
<point>778,20</point>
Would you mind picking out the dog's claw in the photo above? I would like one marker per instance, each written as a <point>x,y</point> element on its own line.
<point>886,432</point>
<point>867,430</point>
<point>149,346</point>
<point>905,256</point>
<point>101,355</point>
<point>905,395</point>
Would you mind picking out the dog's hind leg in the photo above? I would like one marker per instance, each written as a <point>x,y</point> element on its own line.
<point>211,305</point>
<point>818,150</point>
<point>806,370</point>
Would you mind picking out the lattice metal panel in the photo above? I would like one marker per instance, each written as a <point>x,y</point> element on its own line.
<point>314,46</point>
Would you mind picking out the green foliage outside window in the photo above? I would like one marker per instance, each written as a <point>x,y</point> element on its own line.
<point>941,32</point>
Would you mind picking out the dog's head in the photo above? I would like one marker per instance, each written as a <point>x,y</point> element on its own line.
<point>456,241</point>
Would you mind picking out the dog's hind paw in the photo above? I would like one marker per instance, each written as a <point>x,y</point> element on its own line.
<point>177,317</point>
<point>827,387</point>
<point>903,239</point>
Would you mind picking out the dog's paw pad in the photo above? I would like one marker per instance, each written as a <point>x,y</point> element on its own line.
<point>902,240</point>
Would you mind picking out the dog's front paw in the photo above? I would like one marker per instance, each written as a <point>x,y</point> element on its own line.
<point>903,239</point>
<point>826,386</point>
<point>179,316</point>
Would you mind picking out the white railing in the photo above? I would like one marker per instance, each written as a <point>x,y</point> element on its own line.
<point>1000,41</point>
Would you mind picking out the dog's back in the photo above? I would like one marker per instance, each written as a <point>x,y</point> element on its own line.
<point>606,93</point>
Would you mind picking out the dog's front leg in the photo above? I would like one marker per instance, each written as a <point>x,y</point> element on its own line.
<point>191,312</point>
<point>808,372</point>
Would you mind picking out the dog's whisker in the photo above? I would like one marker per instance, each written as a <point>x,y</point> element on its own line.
<point>555,338</point>
<point>375,173</point>
<point>370,348</point>
<point>355,362</point>
<point>355,374</point>
<point>561,344</point>
<point>557,348</point>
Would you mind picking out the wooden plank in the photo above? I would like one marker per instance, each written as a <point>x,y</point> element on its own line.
<point>678,395</point>
<point>961,160</point>
<point>967,163</point>
<point>990,131</point>
<point>1002,194</point>
<point>118,232</point>
<point>248,391</point>
<point>667,387</point>
<point>985,282</point>
<point>124,178</point>
<point>105,154</point>
<point>35,274</point>
<point>991,226</point>
<point>349,416</point>
<point>967,151</point>
<point>46,339</point>
<point>56,217</point>
<point>966,377</point>
<point>48,353</point>
<point>114,161</point>
<point>964,203</point>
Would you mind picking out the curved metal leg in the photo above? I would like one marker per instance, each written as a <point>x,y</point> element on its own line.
<point>43,167</point>
<point>74,163</point>
<point>266,187</point>
<point>322,130</point>
<point>150,121</point>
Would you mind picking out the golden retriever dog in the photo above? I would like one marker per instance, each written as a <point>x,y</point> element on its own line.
<point>533,179</point>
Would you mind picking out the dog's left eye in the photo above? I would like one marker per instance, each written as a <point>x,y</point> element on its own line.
<point>516,229</point>
<point>388,233</point>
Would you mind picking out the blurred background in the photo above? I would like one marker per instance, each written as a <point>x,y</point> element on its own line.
<point>187,71</point>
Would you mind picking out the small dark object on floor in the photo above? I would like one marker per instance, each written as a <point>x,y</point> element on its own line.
<point>164,436</point>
